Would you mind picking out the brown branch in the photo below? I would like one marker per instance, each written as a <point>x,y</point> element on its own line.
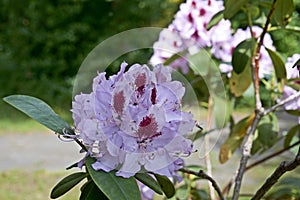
<point>206,147</point>
<point>284,101</point>
<point>203,175</point>
<point>281,169</point>
<point>258,109</point>
<point>271,156</point>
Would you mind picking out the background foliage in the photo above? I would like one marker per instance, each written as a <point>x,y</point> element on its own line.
<point>42,43</point>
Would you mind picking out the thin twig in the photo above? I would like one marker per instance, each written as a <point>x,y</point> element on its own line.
<point>203,175</point>
<point>286,100</point>
<point>281,169</point>
<point>258,110</point>
<point>271,156</point>
<point>206,148</point>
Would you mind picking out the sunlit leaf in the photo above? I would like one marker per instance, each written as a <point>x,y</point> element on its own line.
<point>283,11</point>
<point>221,110</point>
<point>114,187</point>
<point>215,19</point>
<point>67,184</point>
<point>166,185</point>
<point>232,7</point>
<point>235,138</point>
<point>39,111</point>
<point>242,55</point>
<point>200,62</point>
<point>147,180</point>
<point>239,83</point>
<point>278,64</point>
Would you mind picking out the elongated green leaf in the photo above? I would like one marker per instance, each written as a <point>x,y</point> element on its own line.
<point>90,191</point>
<point>66,184</point>
<point>175,57</point>
<point>283,11</point>
<point>147,180</point>
<point>235,138</point>
<point>239,83</point>
<point>200,62</point>
<point>39,111</point>
<point>242,55</point>
<point>114,187</point>
<point>215,19</point>
<point>278,63</point>
<point>221,110</point>
<point>291,133</point>
<point>232,7</point>
<point>166,185</point>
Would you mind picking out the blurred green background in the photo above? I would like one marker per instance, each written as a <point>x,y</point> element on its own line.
<point>42,43</point>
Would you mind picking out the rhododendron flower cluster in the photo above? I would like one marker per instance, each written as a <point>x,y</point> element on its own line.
<point>287,90</point>
<point>188,32</point>
<point>133,121</point>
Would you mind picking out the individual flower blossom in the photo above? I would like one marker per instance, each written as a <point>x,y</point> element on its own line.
<point>133,121</point>
<point>288,91</point>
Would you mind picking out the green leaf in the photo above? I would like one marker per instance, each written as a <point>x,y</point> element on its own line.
<point>114,187</point>
<point>283,11</point>
<point>232,7</point>
<point>147,180</point>
<point>235,138</point>
<point>278,63</point>
<point>90,191</point>
<point>291,133</point>
<point>267,133</point>
<point>175,57</point>
<point>242,55</point>
<point>215,19</point>
<point>293,112</point>
<point>66,184</point>
<point>39,111</point>
<point>200,62</point>
<point>239,83</point>
<point>221,110</point>
<point>166,185</point>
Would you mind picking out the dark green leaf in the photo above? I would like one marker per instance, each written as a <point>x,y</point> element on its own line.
<point>239,83</point>
<point>291,133</point>
<point>267,133</point>
<point>39,111</point>
<point>90,191</point>
<point>114,187</point>
<point>283,11</point>
<point>278,63</point>
<point>166,185</point>
<point>215,19</point>
<point>293,112</point>
<point>242,55</point>
<point>147,180</point>
<point>297,63</point>
<point>232,7</point>
<point>66,184</point>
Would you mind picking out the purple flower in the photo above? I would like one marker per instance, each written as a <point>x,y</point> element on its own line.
<point>288,91</point>
<point>136,121</point>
